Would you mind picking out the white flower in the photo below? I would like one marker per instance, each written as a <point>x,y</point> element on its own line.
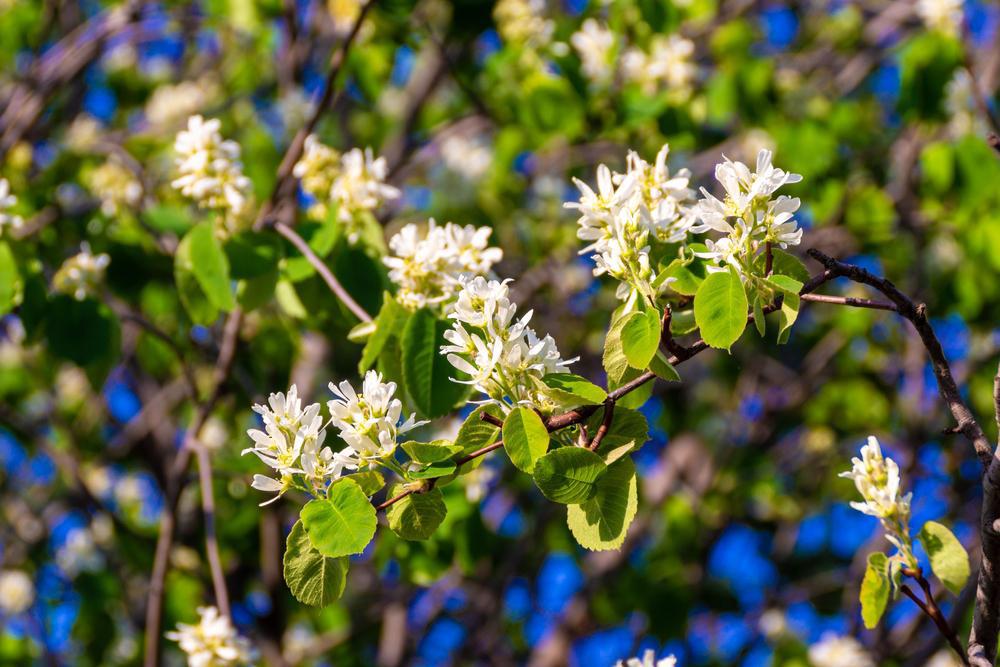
<point>877,480</point>
<point>942,15</point>
<point>360,186</point>
<point>82,274</point>
<point>523,22</point>
<point>468,158</point>
<point>17,592</point>
<point>369,422</point>
<point>503,357</point>
<point>836,651</point>
<point>648,659</point>
<point>168,106</point>
<point>7,201</point>
<point>210,169</point>
<point>668,63</point>
<point>428,268</point>
<point>116,186</point>
<point>79,553</point>
<point>212,642</point>
<point>594,43</point>
<point>316,170</point>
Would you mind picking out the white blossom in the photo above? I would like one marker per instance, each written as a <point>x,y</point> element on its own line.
<point>942,15</point>
<point>17,592</point>
<point>81,275</point>
<point>116,186</point>
<point>428,266</point>
<point>523,22</point>
<point>168,106</point>
<point>210,170</point>
<point>79,553</point>
<point>503,357</point>
<point>212,642</point>
<point>468,158</point>
<point>7,201</point>
<point>594,43</point>
<point>838,651</point>
<point>668,65</point>
<point>316,170</point>
<point>877,480</point>
<point>369,422</point>
<point>648,659</point>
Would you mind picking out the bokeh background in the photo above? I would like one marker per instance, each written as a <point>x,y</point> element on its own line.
<point>744,552</point>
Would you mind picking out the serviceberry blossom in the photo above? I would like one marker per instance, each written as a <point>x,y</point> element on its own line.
<point>467,157</point>
<point>628,213</point>
<point>428,265</point>
<point>354,183</point>
<point>594,43</point>
<point>668,65</point>
<point>81,275</point>
<point>648,659</point>
<point>369,422</point>
<point>942,15</point>
<point>8,221</point>
<point>877,480</point>
<point>170,105</point>
<point>17,592</point>
<point>292,444</point>
<point>212,642</point>
<point>504,359</point>
<point>523,22</point>
<point>747,213</point>
<point>116,186</point>
<point>210,170</point>
<point>839,651</point>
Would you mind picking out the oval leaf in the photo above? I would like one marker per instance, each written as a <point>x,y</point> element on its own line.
<point>948,557</point>
<point>418,515</point>
<point>525,438</point>
<point>720,309</point>
<point>641,337</point>
<point>573,389</point>
<point>312,578</point>
<point>426,372</point>
<point>342,524</point>
<point>210,265</point>
<point>569,475</point>
<point>875,589</point>
<point>601,523</point>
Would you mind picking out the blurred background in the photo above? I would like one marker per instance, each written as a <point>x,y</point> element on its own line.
<point>744,552</point>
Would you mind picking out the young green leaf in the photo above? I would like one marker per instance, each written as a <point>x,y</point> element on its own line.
<point>9,278</point>
<point>875,588</point>
<point>314,579</point>
<point>948,557</point>
<point>370,481</point>
<point>210,265</point>
<point>426,372</point>
<point>389,322</point>
<point>629,431</point>
<point>641,337</point>
<point>601,523</point>
<point>474,434</point>
<point>342,524</point>
<point>433,470</point>
<point>787,315</point>
<point>525,438</point>
<point>758,316</point>
<point>616,365</point>
<point>785,284</point>
<point>573,389</point>
<point>430,452</point>
<point>569,475</point>
<point>720,308</point>
<point>786,264</point>
<point>416,516</point>
<point>663,368</point>
<point>687,276</point>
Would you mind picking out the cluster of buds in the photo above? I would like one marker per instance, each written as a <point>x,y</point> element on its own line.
<point>428,266</point>
<point>81,275</point>
<point>8,201</point>
<point>213,641</point>
<point>504,358</point>
<point>116,186</point>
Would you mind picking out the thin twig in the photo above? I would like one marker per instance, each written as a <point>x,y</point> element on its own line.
<point>602,430</point>
<point>211,537</point>
<point>848,301</point>
<point>930,608</point>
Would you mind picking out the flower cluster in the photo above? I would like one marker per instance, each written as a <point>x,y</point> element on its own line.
<point>748,214</point>
<point>503,358</point>
<point>169,105</point>
<point>428,266</point>
<point>116,186</point>
<point>877,480</point>
<point>212,642</point>
<point>17,592</point>
<point>648,659</point>
<point>354,183</point>
<point>628,213</point>
<point>292,440</point>
<point>210,169</point>
<point>523,22</point>
<point>942,15</point>
<point>595,44</point>
<point>7,201</point>
<point>668,64</point>
<point>81,275</point>
<point>839,651</point>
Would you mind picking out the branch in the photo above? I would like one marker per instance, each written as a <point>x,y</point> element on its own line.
<point>323,270</point>
<point>930,607</point>
<point>602,430</point>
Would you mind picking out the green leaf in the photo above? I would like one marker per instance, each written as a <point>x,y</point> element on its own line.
<point>426,372</point>
<point>601,523</point>
<point>948,557</point>
<point>389,322</point>
<point>209,265</point>
<point>573,389</point>
<point>682,322</point>
<point>789,312</point>
<point>629,431</point>
<point>370,481</point>
<point>430,452</point>
<point>758,316</point>
<point>84,332</point>
<point>433,470</point>
<point>199,307</point>
<point>787,264</point>
<point>173,219</point>
<point>314,579</point>
<point>321,238</point>
<point>720,308</point>
<point>569,475</point>
<point>416,516</point>
<point>342,524</point>
<point>688,276</point>
<point>875,588</point>
<point>641,337</point>
<point>9,278</point>
<point>525,438</point>
<point>252,254</point>
<point>785,284</point>
<point>475,434</point>
<point>616,365</point>
<point>663,368</point>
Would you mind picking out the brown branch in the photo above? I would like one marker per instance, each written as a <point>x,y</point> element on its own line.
<point>323,270</point>
<point>848,301</point>
<point>602,430</point>
<point>211,537</point>
<point>930,607</point>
